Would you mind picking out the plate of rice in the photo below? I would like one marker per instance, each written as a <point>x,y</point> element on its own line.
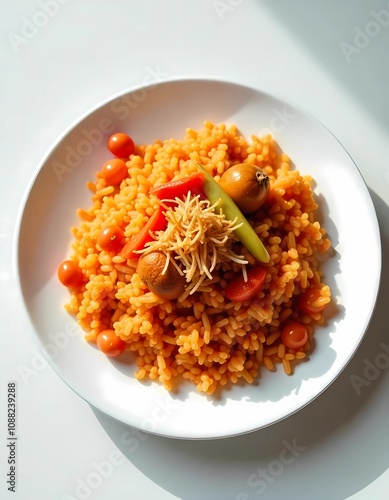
<point>188,257</point>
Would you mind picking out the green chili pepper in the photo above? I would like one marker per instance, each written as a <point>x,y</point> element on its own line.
<point>245,233</point>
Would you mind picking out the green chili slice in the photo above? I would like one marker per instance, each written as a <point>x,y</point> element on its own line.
<point>245,233</point>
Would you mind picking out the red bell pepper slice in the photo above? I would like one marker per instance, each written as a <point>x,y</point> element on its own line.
<point>180,187</point>
<point>157,222</point>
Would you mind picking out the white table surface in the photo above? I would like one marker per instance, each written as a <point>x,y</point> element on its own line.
<point>59,58</point>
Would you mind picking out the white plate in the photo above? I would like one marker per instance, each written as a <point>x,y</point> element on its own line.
<point>163,111</point>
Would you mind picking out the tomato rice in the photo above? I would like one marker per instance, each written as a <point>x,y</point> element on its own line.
<point>205,338</point>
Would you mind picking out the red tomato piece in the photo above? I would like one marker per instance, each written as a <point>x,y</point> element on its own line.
<point>121,145</point>
<point>110,344</point>
<point>110,238</point>
<point>70,274</point>
<point>308,299</point>
<point>239,290</point>
<point>294,335</point>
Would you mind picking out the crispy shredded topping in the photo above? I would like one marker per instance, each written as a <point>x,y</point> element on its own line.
<point>197,241</point>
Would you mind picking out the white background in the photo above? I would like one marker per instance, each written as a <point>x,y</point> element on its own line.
<point>330,58</point>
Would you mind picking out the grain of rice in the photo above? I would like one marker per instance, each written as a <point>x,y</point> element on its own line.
<point>140,374</point>
<point>281,351</point>
<point>254,344</point>
<point>247,376</point>
<point>84,215</point>
<point>268,363</point>
<point>104,192</point>
<point>246,344</point>
<point>272,338</point>
<point>287,366</point>
<point>205,321</point>
<point>261,336</point>
<point>161,362</point>
<point>259,354</point>
<point>270,351</point>
<point>227,341</point>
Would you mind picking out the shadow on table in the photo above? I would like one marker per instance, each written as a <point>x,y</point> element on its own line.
<point>346,37</point>
<point>296,454</point>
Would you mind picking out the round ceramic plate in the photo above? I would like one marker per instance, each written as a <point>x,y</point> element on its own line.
<point>163,111</point>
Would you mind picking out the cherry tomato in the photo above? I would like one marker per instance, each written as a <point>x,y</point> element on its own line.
<point>110,344</point>
<point>239,289</point>
<point>110,238</point>
<point>307,301</point>
<point>121,145</point>
<point>70,274</point>
<point>114,171</point>
<point>294,335</point>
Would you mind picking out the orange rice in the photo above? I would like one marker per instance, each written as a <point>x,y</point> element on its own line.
<point>204,338</point>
